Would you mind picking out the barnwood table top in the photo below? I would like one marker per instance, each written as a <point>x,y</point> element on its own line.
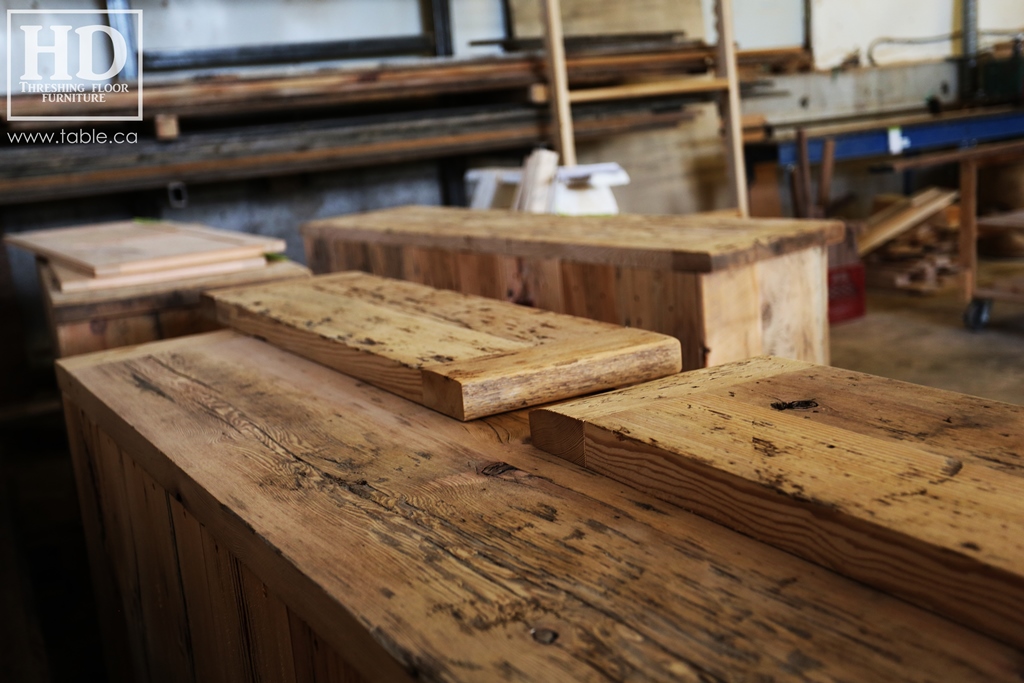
<point>459,552</point>
<point>693,243</point>
<point>914,490</point>
<point>465,356</point>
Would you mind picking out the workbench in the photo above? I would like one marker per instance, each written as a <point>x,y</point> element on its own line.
<point>978,298</point>
<point>727,288</point>
<point>251,515</point>
<point>82,322</point>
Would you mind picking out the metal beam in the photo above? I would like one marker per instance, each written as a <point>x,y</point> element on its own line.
<point>960,132</point>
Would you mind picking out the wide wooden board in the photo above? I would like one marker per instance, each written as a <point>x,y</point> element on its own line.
<point>125,247</point>
<point>70,280</point>
<point>693,243</point>
<point>464,356</point>
<point>458,552</point>
<point>88,305</point>
<point>917,491</point>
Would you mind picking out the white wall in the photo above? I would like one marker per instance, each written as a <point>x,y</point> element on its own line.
<point>760,23</point>
<point>844,27</point>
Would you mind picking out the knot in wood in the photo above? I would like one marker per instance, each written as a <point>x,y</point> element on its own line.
<point>544,636</point>
<point>496,469</point>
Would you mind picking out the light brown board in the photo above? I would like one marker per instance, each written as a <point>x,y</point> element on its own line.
<point>419,547</point>
<point>693,243</point>
<point>463,355</point>
<point>71,280</point>
<point>917,491</point>
<point>108,303</point>
<point>140,247</point>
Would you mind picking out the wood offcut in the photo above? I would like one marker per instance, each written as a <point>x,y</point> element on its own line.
<point>134,247</point>
<point>464,356</point>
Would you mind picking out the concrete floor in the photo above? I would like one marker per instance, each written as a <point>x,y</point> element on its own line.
<point>923,340</point>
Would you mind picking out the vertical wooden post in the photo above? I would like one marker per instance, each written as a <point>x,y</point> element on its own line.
<point>729,104</point>
<point>558,82</point>
<point>803,175</point>
<point>828,163</point>
<point>969,227</point>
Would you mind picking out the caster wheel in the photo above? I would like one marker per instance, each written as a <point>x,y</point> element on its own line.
<point>977,314</point>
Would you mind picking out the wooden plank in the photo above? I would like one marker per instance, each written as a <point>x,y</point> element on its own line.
<point>216,649</point>
<point>694,243</point>
<point>119,547</point>
<point>980,153</point>
<point>733,315</point>
<point>91,305</point>
<point>793,292</point>
<point>898,219</point>
<point>1004,221</point>
<point>315,660</point>
<point>164,618</point>
<point>476,558</point>
<point>464,356</point>
<point>828,164</point>
<point>267,630</point>
<point>231,94</point>
<point>968,229</point>
<point>540,95</point>
<point>132,247</point>
<point>729,104</point>
<point>558,82</point>
<point>112,623</point>
<point>536,190</point>
<point>69,280</point>
<point>836,482</point>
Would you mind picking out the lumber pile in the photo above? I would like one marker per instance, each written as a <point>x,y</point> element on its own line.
<point>133,253</point>
<point>891,484</point>
<point>910,243</point>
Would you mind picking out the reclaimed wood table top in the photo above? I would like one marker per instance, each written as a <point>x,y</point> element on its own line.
<point>914,490</point>
<point>466,554</point>
<point>134,247</point>
<point>690,243</point>
<point>465,356</point>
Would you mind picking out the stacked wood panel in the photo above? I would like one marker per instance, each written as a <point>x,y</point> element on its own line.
<point>727,288</point>
<point>129,282</point>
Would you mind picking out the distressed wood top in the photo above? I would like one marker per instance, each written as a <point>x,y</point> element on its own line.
<point>125,247</point>
<point>104,303</point>
<point>915,490</point>
<point>469,555</point>
<point>694,243</point>
<point>465,356</point>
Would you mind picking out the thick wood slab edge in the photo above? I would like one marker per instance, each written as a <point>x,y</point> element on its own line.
<point>625,240</point>
<point>931,553</point>
<point>465,356</point>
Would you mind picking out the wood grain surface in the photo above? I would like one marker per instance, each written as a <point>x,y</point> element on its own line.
<point>465,356</point>
<point>414,546</point>
<point>916,491</point>
<point>70,280</point>
<point>92,320</point>
<point>694,243</point>
<point>126,247</point>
